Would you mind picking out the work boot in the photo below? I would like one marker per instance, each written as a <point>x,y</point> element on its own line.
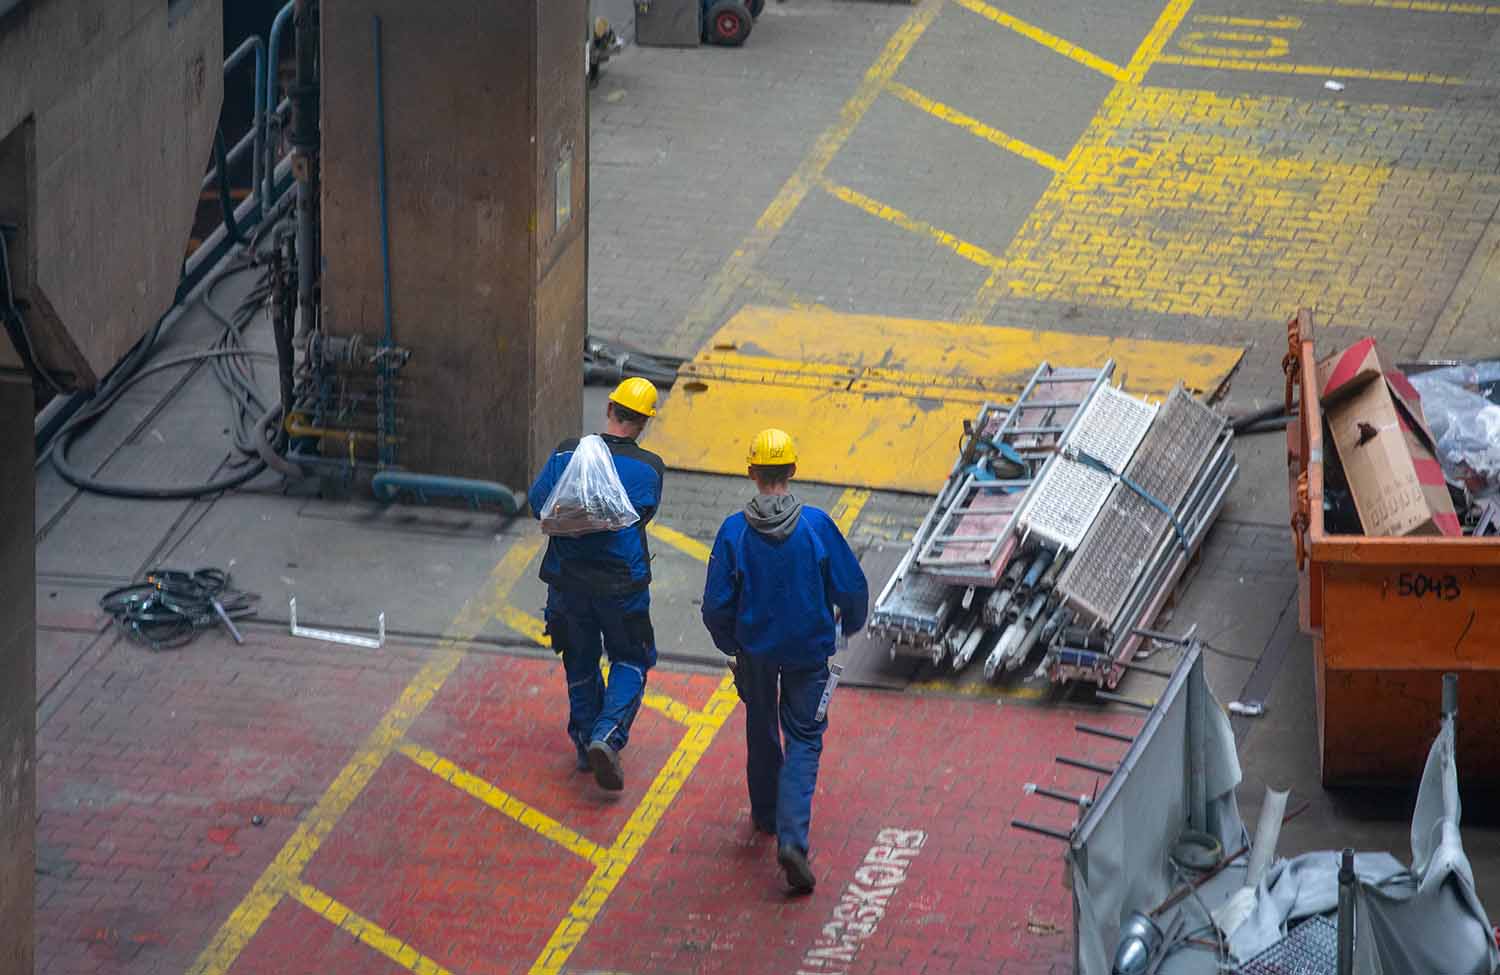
<point>583,760</point>
<point>605,762</point>
<point>799,875</point>
<point>767,828</point>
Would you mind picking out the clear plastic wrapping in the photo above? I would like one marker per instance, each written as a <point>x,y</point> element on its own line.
<point>588,497</point>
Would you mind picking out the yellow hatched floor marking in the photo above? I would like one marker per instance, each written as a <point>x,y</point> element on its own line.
<point>1045,38</point>
<point>1274,23</point>
<point>367,931</point>
<point>847,508</point>
<point>642,823</point>
<point>1322,71</point>
<point>891,215</point>
<point>524,623</point>
<point>716,297</point>
<point>283,875</point>
<point>975,127</point>
<point>529,816</point>
<point>685,544</point>
<point>1416,6</point>
<point>1148,53</point>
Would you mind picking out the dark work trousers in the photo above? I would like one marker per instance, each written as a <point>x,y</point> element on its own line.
<point>582,626</point>
<point>780,703</point>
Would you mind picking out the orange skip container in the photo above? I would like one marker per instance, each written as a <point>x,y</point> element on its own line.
<point>1388,617</point>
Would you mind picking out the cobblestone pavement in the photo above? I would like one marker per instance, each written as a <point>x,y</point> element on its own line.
<point>1164,169</point>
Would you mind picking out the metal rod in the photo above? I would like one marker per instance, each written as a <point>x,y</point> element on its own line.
<point>1056,834</point>
<point>1346,919</point>
<point>1070,799</point>
<point>1120,699</point>
<point>1104,733</point>
<point>1088,766</point>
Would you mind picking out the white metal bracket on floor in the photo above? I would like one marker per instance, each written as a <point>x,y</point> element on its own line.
<point>333,636</point>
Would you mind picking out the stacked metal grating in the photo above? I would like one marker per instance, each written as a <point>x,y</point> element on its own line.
<point>970,533</point>
<point>1138,546</point>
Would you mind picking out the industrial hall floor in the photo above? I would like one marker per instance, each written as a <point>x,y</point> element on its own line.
<point>291,806</point>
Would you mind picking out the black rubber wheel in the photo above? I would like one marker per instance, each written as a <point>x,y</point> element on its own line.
<point>756,8</point>
<point>729,23</point>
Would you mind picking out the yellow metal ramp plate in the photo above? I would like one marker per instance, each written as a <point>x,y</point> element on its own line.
<point>880,402</point>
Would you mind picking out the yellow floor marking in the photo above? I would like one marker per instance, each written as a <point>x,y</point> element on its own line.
<point>1048,40</point>
<point>847,508</point>
<point>948,685</point>
<point>975,127</point>
<point>1321,71</point>
<point>1417,6</point>
<point>780,294</point>
<point>707,310</point>
<point>642,823</point>
<point>529,816</point>
<point>882,211</point>
<point>1155,42</point>
<point>685,544</point>
<point>367,931</point>
<point>884,399</point>
<point>1275,23</point>
<point>1149,51</point>
<point>284,872</point>
<point>530,626</point>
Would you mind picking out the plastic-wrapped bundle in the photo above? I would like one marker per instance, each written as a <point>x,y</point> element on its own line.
<point>588,496</point>
<point>1466,424</point>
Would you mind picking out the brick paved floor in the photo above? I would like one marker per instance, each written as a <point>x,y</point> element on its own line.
<point>978,140</point>
<point>155,764</point>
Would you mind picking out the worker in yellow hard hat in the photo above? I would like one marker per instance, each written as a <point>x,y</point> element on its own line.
<point>781,581</point>
<point>598,591</point>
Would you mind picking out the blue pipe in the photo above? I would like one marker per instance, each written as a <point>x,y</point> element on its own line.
<point>389,485</point>
<point>283,17</point>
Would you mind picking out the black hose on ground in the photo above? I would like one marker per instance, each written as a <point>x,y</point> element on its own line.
<point>1264,420</point>
<point>232,365</point>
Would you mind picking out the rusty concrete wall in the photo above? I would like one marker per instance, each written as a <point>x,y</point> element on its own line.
<point>17,680</point>
<point>122,97</point>
<point>488,283</point>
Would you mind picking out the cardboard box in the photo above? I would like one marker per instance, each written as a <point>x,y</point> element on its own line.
<point>1388,452</point>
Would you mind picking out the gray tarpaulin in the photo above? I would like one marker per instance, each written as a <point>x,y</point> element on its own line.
<point>1422,919</point>
<point>1118,858</point>
<point>1181,771</point>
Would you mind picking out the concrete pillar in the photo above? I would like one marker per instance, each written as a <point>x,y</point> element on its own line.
<point>487,174</point>
<point>17,678</point>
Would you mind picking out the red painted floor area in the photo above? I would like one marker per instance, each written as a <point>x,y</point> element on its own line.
<point>918,869</point>
<point>154,765</point>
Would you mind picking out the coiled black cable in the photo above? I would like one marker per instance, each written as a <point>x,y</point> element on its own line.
<point>171,607</point>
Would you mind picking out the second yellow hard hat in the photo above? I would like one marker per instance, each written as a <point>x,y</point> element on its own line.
<point>772,448</point>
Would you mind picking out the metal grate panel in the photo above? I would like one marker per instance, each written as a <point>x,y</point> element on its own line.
<point>1168,461</point>
<point>1311,948</point>
<point>1175,448</point>
<point>1111,427</point>
<point>1099,577</point>
<point>1063,503</point>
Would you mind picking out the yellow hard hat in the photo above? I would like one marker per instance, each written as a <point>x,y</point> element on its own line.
<point>772,448</point>
<point>636,394</point>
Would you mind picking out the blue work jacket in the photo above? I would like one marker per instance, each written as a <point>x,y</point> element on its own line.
<point>776,598</point>
<point>603,563</point>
